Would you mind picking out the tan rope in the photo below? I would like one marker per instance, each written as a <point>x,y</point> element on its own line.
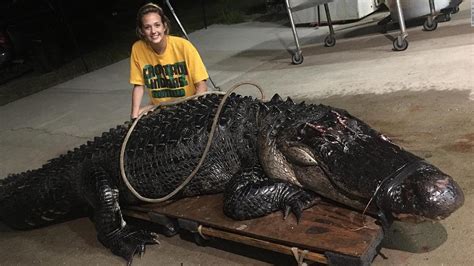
<point>201,234</point>
<point>299,255</point>
<point>204,154</point>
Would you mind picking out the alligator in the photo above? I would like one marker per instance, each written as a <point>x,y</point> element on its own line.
<point>264,156</point>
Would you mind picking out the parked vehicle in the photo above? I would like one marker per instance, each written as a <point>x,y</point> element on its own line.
<point>6,49</point>
<point>28,37</point>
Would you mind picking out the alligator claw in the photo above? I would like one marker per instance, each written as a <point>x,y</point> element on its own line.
<point>141,250</point>
<point>128,242</point>
<point>298,202</point>
<point>286,212</point>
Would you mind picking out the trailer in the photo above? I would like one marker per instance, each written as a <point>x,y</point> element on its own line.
<point>400,43</point>
<point>326,233</point>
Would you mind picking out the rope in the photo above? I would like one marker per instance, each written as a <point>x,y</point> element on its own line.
<point>204,154</point>
<point>201,234</point>
<point>299,255</point>
<point>395,177</point>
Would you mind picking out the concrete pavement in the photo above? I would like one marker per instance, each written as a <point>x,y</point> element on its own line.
<point>422,98</point>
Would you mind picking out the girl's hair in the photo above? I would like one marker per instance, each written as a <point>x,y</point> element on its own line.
<point>150,8</point>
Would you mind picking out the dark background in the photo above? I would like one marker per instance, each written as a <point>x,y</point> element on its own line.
<point>55,31</point>
<point>52,32</point>
<point>46,42</point>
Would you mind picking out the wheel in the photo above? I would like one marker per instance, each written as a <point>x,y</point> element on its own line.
<point>447,17</point>
<point>297,58</point>
<point>170,230</point>
<point>329,41</point>
<point>200,241</point>
<point>430,26</point>
<point>400,47</point>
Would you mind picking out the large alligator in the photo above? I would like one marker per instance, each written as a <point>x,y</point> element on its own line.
<point>265,157</point>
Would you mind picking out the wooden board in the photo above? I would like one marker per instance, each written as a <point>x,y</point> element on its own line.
<point>323,229</point>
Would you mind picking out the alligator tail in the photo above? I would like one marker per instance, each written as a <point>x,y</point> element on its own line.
<point>54,192</point>
<point>38,198</point>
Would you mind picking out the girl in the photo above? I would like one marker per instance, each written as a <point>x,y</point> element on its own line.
<point>168,67</point>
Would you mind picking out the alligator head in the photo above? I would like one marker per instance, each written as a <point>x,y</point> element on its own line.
<point>422,192</point>
<point>341,158</point>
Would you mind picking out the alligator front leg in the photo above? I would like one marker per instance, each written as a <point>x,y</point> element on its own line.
<point>251,194</point>
<point>112,231</point>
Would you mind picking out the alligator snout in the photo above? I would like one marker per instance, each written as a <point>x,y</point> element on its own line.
<point>443,197</point>
<point>426,194</point>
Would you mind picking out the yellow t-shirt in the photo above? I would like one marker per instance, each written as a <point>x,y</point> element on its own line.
<point>169,75</point>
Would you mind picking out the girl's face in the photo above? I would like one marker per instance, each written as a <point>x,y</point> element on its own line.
<point>153,28</point>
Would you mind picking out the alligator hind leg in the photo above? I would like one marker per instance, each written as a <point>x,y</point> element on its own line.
<point>112,231</point>
<point>252,194</point>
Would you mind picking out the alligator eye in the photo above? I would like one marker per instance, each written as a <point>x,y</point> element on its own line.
<point>330,138</point>
<point>300,129</point>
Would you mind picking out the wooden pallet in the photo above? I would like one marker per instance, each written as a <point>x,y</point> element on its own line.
<point>326,233</point>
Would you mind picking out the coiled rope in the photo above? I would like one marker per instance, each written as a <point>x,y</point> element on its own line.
<point>205,152</point>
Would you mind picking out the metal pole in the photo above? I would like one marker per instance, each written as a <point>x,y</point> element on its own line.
<point>293,28</point>
<point>187,37</point>
<point>432,12</point>
<point>319,16</point>
<point>176,18</point>
<point>401,21</point>
<point>328,18</point>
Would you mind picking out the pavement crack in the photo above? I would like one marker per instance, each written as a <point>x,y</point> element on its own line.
<point>47,132</point>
